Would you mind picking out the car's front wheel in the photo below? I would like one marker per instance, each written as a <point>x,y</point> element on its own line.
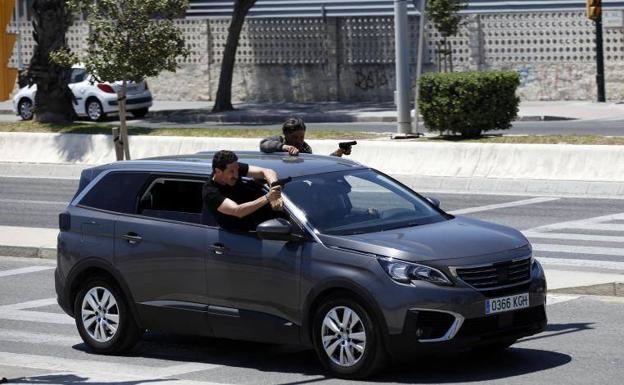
<point>25,109</point>
<point>347,339</point>
<point>103,318</point>
<point>95,112</point>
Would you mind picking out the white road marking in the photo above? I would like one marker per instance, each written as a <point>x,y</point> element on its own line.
<point>24,270</point>
<point>38,338</point>
<point>578,249</point>
<point>33,202</point>
<point>574,237</point>
<point>552,299</point>
<point>608,265</point>
<point>29,304</point>
<point>599,226</point>
<point>112,372</point>
<point>576,223</point>
<point>524,202</point>
<point>37,316</point>
<point>18,312</point>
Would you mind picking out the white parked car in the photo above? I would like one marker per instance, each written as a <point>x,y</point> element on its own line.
<point>92,98</point>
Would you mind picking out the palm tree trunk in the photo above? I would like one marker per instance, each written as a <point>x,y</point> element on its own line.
<point>53,101</point>
<point>223,101</point>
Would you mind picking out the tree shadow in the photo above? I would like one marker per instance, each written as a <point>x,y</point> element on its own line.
<point>74,379</point>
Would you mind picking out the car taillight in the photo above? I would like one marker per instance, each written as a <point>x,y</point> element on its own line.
<point>64,221</point>
<point>106,88</point>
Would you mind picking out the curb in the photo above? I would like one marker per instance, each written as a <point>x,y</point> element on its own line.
<point>613,289</point>
<point>28,252</point>
<point>198,116</point>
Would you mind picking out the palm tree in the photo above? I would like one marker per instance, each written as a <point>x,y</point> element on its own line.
<point>53,101</point>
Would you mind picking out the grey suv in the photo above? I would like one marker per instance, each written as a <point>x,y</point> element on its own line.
<point>357,265</point>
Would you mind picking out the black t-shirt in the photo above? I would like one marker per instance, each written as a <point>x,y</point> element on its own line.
<point>214,194</point>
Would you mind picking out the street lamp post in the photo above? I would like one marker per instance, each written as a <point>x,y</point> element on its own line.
<point>404,125</point>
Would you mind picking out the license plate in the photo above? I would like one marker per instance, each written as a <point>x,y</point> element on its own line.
<point>502,304</point>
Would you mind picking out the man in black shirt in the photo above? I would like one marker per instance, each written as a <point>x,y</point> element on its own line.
<point>293,141</point>
<point>229,200</point>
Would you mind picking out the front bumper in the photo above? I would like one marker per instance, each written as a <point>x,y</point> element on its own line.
<point>456,320</point>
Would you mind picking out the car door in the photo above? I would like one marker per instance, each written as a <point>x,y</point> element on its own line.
<point>161,251</point>
<point>76,84</point>
<point>253,285</point>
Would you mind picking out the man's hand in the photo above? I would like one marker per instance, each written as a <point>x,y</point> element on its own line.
<point>274,197</point>
<point>340,152</point>
<point>292,150</point>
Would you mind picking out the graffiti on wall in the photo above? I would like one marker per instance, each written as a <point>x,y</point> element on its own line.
<point>527,75</point>
<point>370,79</point>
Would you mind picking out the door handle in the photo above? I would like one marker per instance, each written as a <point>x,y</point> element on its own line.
<point>132,238</point>
<point>219,248</point>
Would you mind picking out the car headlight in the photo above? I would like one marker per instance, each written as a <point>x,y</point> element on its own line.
<point>406,272</point>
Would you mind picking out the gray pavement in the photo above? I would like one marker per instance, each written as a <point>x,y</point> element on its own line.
<point>335,112</point>
<point>39,344</point>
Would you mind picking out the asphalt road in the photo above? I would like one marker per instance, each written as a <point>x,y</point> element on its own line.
<point>584,229</point>
<point>40,345</point>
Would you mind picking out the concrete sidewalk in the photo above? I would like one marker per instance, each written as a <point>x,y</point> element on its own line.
<point>341,112</point>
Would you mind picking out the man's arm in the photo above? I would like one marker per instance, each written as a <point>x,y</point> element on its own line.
<point>272,144</point>
<point>229,207</point>
<point>258,172</point>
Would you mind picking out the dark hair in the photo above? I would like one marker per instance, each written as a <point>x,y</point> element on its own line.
<point>222,158</point>
<point>293,124</point>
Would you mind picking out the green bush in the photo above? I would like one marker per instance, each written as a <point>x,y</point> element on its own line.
<point>469,103</point>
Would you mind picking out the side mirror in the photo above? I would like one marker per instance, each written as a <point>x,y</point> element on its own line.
<point>434,201</point>
<point>275,230</point>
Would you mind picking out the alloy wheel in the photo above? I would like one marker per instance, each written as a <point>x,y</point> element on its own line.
<point>343,336</point>
<point>26,109</point>
<point>100,314</point>
<point>94,110</point>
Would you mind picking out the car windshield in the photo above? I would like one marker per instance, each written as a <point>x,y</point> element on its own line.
<point>356,202</point>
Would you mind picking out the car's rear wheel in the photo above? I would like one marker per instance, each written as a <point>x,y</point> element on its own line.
<point>140,113</point>
<point>95,112</point>
<point>103,318</point>
<point>25,109</point>
<point>347,339</point>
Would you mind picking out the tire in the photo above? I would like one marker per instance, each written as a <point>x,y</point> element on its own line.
<point>340,354</point>
<point>25,109</point>
<point>140,113</point>
<point>95,295</point>
<point>94,110</point>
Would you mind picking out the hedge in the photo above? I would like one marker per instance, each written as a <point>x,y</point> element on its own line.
<point>469,103</point>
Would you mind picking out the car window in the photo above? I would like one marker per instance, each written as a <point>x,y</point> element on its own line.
<point>344,203</point>
<point>78,75</point>
<point>116,191</point>
<point>172,198</point>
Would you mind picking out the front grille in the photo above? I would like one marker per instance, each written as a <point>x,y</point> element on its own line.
<point>428,324</point>
<point>496,275</point>
<point>501,323</point>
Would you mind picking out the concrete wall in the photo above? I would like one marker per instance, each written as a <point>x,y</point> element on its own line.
<point>352,59</point>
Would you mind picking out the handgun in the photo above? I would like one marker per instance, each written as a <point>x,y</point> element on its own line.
<point>346,145</point>
<point>281,182</point>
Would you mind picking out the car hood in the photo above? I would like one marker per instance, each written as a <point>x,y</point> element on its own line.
<point>456,238</point>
